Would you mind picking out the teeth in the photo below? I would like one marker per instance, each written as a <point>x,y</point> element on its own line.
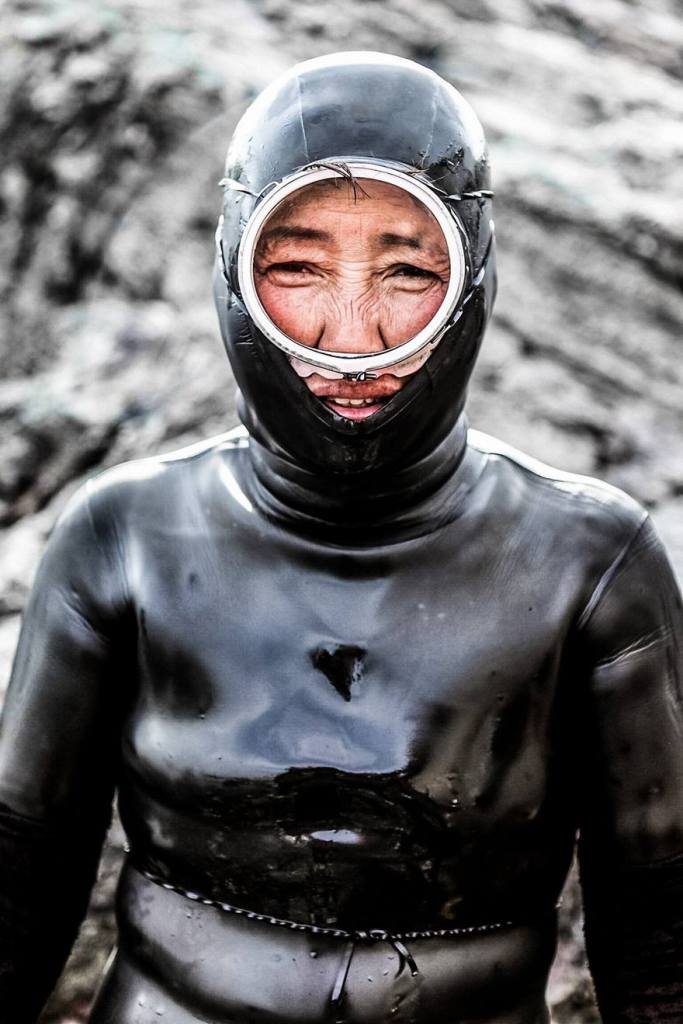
<point>354,401</point>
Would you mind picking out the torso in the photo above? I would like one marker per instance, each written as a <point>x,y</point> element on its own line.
<point>354,738</point>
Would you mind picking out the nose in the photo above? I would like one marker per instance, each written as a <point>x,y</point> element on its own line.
<point>351,326</point>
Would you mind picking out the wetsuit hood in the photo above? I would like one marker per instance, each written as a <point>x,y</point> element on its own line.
<point>396,113</point>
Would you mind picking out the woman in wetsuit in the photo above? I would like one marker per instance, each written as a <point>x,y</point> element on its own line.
<point>357,675</point>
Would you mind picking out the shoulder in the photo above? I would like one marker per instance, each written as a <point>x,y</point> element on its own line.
<point>156,479</point>
<point>96,516</point>
<point>576,501</point>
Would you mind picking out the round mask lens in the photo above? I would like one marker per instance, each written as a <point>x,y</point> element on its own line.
<point>352,276</point>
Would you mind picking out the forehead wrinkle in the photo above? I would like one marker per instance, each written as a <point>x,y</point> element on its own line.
<point>286,232</point>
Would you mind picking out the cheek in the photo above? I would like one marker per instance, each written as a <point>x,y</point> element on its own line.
<point>403,314</point>
<point>294,310</point>
<point>303,313</point>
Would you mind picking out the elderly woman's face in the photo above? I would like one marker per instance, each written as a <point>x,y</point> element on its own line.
<point>354,272</point>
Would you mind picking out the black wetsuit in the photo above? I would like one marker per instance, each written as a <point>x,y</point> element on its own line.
<point>403,734</point>
<point>377,699</point>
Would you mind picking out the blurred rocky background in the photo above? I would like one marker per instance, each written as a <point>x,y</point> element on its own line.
<point>114,120</point>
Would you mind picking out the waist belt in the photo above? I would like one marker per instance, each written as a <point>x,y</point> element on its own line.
<point>396,939</point>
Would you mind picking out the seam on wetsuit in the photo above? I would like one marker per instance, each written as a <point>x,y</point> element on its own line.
<point>301,119</point>
<point>639,646</point>
<point>373,935</point>
<point>608,575</point>
<point>103,547</point>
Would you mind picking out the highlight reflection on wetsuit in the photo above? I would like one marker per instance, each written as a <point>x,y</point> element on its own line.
<point>362,679</point>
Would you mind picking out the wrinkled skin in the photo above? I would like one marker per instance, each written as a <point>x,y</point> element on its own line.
<point>354,269</point>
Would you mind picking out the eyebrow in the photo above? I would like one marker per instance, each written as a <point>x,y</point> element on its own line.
<point>283,232</point>
<point>392,239</point>
<point>286,231</point>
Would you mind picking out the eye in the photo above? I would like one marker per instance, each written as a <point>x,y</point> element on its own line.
<point>292,267</point>
<point>288,274</point>
<point>408,277</point>
<point>410,270</point>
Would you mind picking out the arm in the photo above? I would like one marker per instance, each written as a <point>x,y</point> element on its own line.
<point>631,837</point>
<point>59,735</point>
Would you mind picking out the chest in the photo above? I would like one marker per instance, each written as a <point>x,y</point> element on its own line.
<point>437,661</point>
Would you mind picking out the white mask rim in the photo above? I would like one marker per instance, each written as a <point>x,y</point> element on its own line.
<point>343,362</point>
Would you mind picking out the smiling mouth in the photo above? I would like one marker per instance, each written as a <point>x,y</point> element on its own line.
<point>357,400</point>
<point>355,408</point>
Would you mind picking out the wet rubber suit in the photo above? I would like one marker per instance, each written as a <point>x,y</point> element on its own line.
<point>369,679</point>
